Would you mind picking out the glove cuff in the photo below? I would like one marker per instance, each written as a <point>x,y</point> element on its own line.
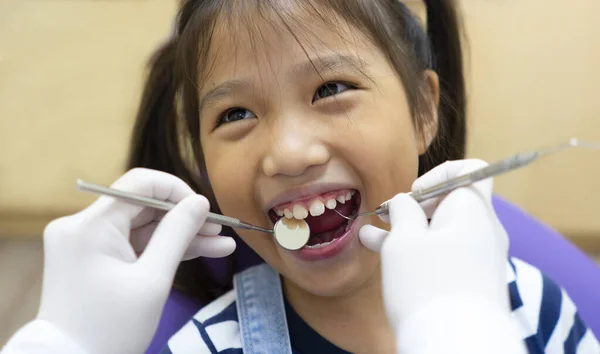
<point>466,326</point>
<point>39,336</point>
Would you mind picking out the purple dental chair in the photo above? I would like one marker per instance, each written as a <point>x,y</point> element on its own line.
<point>530,240</point>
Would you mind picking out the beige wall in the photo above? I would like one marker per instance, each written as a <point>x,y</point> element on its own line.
<point>535,82</point>
<point>70,74</point>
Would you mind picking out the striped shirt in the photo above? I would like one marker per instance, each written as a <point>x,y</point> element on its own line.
<point>543,312</point>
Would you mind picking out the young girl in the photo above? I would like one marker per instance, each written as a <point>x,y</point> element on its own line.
<point>293,109</point>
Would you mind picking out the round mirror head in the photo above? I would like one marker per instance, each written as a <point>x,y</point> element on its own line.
<point>291,234</point>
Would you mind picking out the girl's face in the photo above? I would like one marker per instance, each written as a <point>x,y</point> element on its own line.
<point>295,125</point>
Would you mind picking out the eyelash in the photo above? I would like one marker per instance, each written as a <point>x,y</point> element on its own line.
<point>223,116</point>
<point>336,83</point>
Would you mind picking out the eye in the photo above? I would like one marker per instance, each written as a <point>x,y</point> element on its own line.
<point>234,114</point>
<point>331,89</point>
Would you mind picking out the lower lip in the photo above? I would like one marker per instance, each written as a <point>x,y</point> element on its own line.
<point>329,251</point>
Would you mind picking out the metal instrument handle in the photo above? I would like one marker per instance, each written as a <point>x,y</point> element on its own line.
<point>162,205</point>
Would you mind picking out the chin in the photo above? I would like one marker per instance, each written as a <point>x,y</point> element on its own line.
<point>336,279</point>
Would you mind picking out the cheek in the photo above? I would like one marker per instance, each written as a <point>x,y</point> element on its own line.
<point>388,166</point>
<point>231,170</point>
<point>233,177</point>
<point>385,151</point>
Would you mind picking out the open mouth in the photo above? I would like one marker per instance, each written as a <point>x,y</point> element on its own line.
<point>322,214</point>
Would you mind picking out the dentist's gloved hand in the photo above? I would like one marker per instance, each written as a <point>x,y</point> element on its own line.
<point>109,269</point>
<point>444,282</point>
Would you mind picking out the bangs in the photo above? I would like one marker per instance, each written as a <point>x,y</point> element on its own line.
<point>263,24</point>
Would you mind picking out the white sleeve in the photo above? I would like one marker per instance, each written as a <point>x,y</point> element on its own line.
<point>41,337</point>
<point>459,326</point>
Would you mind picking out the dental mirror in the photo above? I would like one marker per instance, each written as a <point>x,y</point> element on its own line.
<point>291,234</point>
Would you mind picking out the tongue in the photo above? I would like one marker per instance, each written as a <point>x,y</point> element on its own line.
<point>330,220</point>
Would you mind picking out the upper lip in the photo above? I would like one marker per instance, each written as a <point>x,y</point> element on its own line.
<point>305,191</point>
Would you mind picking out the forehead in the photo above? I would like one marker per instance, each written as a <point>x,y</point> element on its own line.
<point>273,40</point>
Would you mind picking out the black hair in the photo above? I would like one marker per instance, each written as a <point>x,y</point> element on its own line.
<point>166,135</point>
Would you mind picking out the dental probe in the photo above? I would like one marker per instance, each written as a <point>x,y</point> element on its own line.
<point>290,235</point>
<point>498,168</point>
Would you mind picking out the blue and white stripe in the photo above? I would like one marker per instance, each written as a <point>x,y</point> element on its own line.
<point>543,312</point>
<point>213,329</point>
<point>546,317</point>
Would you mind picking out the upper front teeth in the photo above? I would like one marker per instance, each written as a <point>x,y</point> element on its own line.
<point>300,211</point>
<point>315,207</point>
<point>288,214</point>
<point>331,204</point>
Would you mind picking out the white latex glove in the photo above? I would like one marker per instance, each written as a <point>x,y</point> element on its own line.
<point>444,283</point>
<point>98,296</point>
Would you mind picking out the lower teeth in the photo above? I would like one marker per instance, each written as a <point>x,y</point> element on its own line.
<point>320,245</point>
<point>346,228</point>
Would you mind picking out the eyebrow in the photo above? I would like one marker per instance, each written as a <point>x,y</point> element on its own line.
<point>223,90</point>
<point>333,62</point>
<point>329,63</point>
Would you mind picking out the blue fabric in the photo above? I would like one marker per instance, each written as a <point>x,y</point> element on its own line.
<point>229,314</point>
<point>306,340</point>
<point>534,345</point>
<point>205,337</point>
<point>261,311</point>
<point>550,311</point>
<point>577,332</point>
<point>515,298</point>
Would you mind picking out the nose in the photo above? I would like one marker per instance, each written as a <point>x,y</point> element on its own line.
<point>293,150</point>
